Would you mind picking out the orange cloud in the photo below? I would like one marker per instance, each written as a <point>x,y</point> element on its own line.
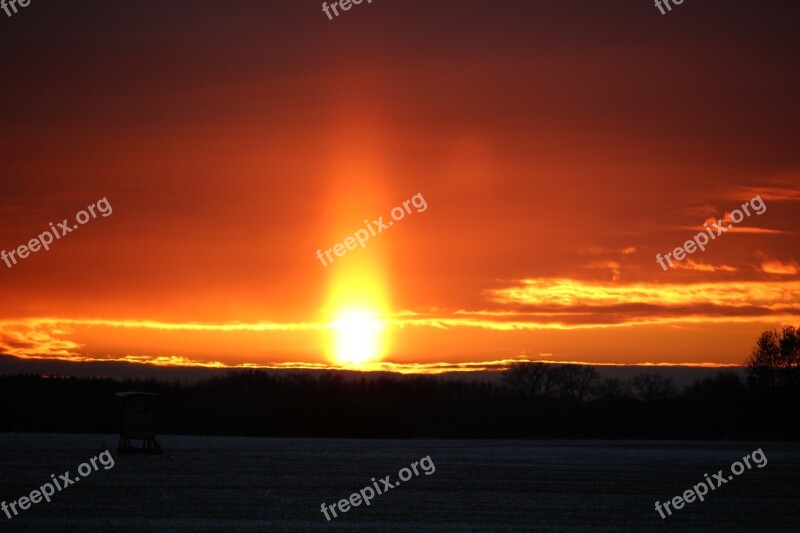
<point>773,266</point>
<point>612,266</point>
<point>690,264</point>
<point>36,339</point>
<point>781,188</point>
<point>568,293</point>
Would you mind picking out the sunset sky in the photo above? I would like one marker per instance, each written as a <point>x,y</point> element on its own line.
<point>559,146</point>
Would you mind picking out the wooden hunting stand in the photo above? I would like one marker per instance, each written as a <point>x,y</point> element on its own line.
<point>137,423</point>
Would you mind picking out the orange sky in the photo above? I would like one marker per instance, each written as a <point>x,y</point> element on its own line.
<point>559,147</point>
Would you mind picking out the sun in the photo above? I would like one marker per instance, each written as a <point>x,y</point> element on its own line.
<point>357,336</point>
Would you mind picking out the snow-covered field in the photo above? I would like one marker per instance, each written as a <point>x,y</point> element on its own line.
<point>243,484</point>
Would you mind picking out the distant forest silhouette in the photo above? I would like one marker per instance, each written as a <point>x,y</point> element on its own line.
<point>533,400</point>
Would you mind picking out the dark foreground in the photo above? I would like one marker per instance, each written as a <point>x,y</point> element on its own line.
<point>253,484</point>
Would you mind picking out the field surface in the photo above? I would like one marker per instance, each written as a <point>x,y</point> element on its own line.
<point>254,484</point>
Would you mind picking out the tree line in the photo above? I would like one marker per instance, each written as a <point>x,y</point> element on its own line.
<point>532,400</point>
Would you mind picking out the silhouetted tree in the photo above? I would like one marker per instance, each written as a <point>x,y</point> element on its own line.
<point>653,387</point>
<point>545,380</point>
<point>574,382</point>
<point>529,379</point>
<point>613,389</point>
<point>774,363</point>
<point>725,386</point>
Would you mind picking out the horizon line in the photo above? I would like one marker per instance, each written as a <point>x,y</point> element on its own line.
<point>379,366</point>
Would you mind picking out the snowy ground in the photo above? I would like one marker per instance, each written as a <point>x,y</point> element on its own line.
<point>240,484</point>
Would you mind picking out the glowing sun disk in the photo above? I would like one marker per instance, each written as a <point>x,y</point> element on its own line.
<point>357,336</point>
